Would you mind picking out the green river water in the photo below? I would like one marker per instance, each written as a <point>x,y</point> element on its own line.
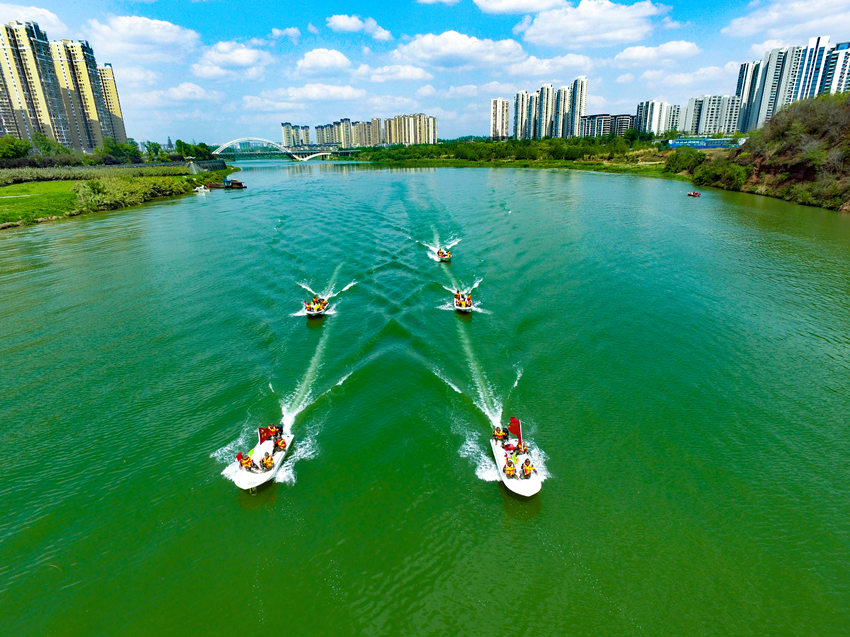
<point>681,367</point>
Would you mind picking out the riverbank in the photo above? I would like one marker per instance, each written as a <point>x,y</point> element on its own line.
<point>38,195</point>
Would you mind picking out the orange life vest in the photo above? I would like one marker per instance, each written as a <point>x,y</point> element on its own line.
<point>268,463</point>
<point>247,463</point>
<point>281,444</point>
<point>498,435</point>
<point>510,470</point>
<point>527,469</point>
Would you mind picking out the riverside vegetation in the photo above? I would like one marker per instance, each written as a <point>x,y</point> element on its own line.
<point>802,155</point>
<point>31,195</point>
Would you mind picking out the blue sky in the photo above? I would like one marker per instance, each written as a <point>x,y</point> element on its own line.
<point>216,70</point>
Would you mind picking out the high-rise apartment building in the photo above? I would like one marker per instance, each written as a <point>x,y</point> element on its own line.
<point>294,135</point>
<point>533,123</point>
<point>521,104</point>
<point>82,91</point>
<point>621,123</point>
<point>562,111</point>
<point>711,114</point>
<point>656,117</point>
<point>813,60</point>
<point>411,129</point>
<point>499,118</point>
<point>113,105</point>
<point>836,75</point>
<point>29,80</point>
<point>56,88</point>
<point>578,106</point>
<point>545,111</point>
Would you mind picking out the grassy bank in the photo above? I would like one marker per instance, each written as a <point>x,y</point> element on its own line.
<point>36,195</point>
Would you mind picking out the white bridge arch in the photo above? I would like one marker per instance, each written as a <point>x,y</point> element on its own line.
<point>280,147</point>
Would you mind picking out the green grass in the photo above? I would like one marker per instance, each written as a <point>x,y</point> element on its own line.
<point>29,201</point>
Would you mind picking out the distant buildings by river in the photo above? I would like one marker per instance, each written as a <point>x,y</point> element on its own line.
<point>783,76</point>
<point>57,89</point>
<point>402,129</point>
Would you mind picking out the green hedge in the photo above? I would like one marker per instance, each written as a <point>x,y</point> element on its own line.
<point>109,193</point>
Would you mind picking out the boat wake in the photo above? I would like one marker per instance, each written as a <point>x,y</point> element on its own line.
<point>432,248</point>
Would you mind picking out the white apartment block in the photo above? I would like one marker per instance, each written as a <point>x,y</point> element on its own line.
<point>711,114</point>
<point>499,118</point>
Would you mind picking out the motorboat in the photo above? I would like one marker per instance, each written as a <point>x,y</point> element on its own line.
<point>251,478</point>
<point>316,307</point>
<point>201,188</point>
<point>228,184</point>
<point>508,448</point>
<point>693,193</point>
<point>444,255</point>
<point>464,304</point>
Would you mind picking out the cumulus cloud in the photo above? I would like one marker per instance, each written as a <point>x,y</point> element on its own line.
<point>47,20</point>
<point>665,53</point>
<point>538,67</point>
<point>759,49</point>
<point>137,39</point>
<point>322,60</point>
<point>293,33</point>
<point>312,28</point>
<point>180,94</point>
<point>792,19</point>
<point>625,78</point>
<point>426,91</point>
<point>353,24</point>
<point>517,6</point>
<point>395,72</point>
<point>231,59</point>
<point>593,23</point>
<point>453,49</point>
<point>135,76</point>
<point>702,78</point>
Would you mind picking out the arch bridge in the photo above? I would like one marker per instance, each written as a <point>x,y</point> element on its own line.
<point>297,155</point>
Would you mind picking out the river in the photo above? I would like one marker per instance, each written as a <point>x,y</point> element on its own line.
<point>681,367</point>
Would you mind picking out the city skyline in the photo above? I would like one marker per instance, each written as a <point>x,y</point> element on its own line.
<point>203,70</point>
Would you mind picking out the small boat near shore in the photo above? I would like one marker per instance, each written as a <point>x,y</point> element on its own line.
<point>228,184</point>
<point>693,193</point>
<point>507,449</point>
<point>201,188</point>
<point>252,476</point>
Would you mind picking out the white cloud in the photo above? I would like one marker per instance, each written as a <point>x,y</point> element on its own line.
<point>453,49</point>
<point>517,6</point>
<point>399,72</point>
<point>136,39</point>
<point>231,59</point>
<point>185,92</point>
<point>293,33</point>
<point>672,51</point>
<point>47,20</point>
<point>312,29</point>
<point>135,76</point>
<point>593,23</point>
<point>792,19</point>
<point>759,49</point>
<point>668,23</point>
<point>426,91</point>
<point>389,105</point>
<point>537,67</point>
<point>321,60</point>
<point>291,96</point>
<point>467,90</point>
<point>703,78</point>
<point>625,78</point>
<point>353,24</point>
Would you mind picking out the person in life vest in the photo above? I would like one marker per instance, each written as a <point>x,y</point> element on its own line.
<point>510,468</point>
<point>498,434</point>
<point>274,430</point>
<point>279,444</point>
<point>521,447</point>
<point>245,462</point>
<point>267,462</point>
<point>527,468</point>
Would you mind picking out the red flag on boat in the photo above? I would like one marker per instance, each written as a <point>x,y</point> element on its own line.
<point>265,434</point>
<point>515,428</point>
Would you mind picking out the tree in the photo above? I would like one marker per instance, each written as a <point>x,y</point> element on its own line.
<point>47,146</point>
<point>12,148</point>
<point>152,150</point>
